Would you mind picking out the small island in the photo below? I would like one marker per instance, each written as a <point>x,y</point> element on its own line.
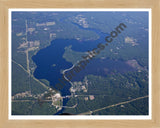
<point>53,65</point>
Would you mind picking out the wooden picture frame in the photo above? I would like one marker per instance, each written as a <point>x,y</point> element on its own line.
<point>154,5</point>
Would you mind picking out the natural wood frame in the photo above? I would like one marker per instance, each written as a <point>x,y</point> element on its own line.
<point>6,4</point>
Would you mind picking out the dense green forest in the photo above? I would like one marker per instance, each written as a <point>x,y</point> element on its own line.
<point>111,90</point>
<point>107,90</point>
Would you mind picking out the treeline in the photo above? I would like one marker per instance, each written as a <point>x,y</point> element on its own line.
<point>111,90</point>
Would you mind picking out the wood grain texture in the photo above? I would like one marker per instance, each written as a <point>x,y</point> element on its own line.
<point>6,4</point>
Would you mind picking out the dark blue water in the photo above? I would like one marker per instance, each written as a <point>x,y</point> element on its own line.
<point>53,54</point>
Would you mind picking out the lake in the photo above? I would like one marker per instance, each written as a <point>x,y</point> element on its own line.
<point>50,62</point>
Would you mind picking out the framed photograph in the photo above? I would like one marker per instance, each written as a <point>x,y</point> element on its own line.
<point>79,64</point>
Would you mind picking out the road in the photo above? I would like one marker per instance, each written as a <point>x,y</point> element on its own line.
<point>110,106</point>
<point>31,100</point>
<point>27,60</point>
<point>20,65</point>
<point>45,86</point>
<point>68,70</point>
<point>44,101</point>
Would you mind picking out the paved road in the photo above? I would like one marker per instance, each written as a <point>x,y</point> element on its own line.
<point>110,106</point>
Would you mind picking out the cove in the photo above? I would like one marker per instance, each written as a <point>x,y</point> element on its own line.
<point>53,54</point>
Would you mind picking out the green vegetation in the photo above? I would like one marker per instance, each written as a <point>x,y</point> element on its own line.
<point>111,90</point>
<point>18,55</point>
<point>21,83</point>
<point>32,108</point>
<point>46,82</point>
<point>19,79</point>
<point>139,107</point>
<point>72,56</point>
<point>21,108</point>
<point>45,109</point>
<point>107,90</point>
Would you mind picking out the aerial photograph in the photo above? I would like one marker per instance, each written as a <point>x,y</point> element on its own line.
<point>79,63</point>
